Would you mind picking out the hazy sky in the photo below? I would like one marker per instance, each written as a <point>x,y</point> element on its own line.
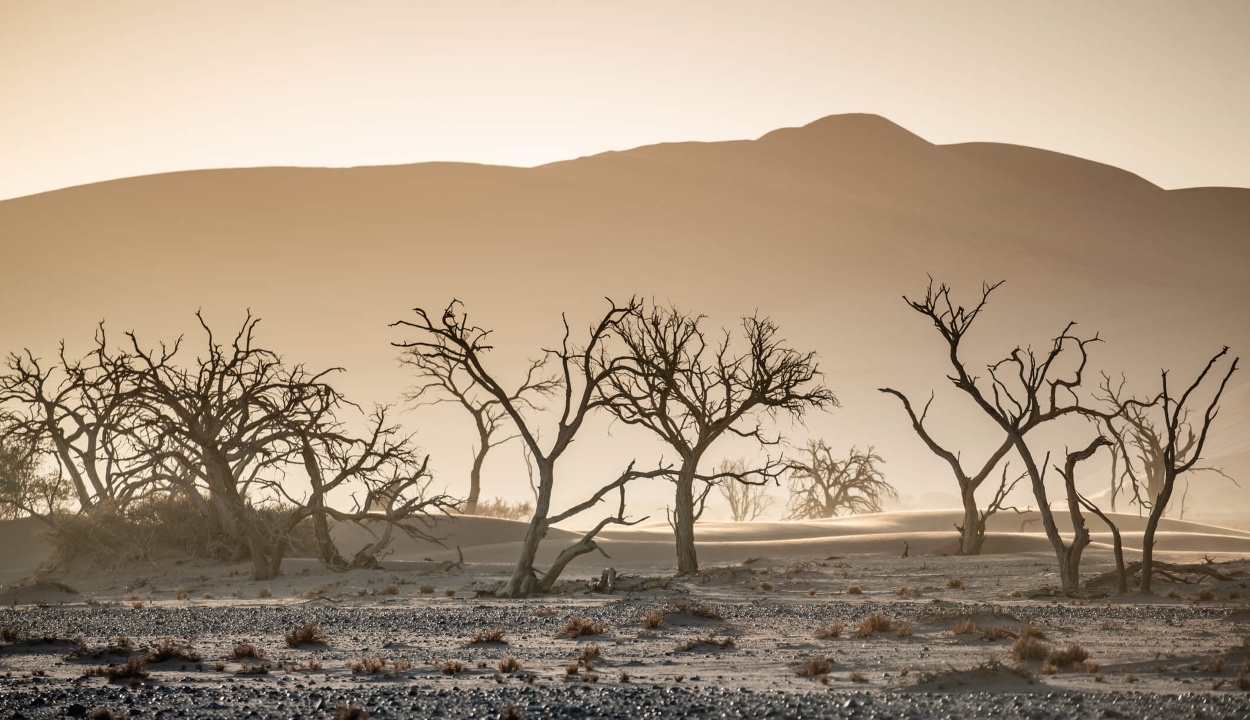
<point>98,90</point>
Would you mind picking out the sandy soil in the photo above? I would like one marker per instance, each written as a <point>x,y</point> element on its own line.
<point>767,589</point>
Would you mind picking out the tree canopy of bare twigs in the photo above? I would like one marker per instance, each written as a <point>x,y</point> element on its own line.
<point>440,380</point>
<point>823,486</point>
<point>747,501</point>
<point>581,370</point>
<point>690,391</point>
<point>25,487</point>
<point>1022,392</point>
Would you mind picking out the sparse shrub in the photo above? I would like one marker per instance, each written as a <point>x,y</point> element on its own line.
<point>854,590</point>
<point>1160,668</point>
<point>237,594</point>
<point>766,586</point>
<point>572,669</point>
<point>710,640</point>
<point>1204,595</point>
<point>956,583</point>
<point>544,610</point>
<point>350,712</point>
<point>1069,654</point>
<point>997,632</point>
<point>134,670</point>
<point>306,634</point>
<point>1028,648</point>
<point>830,630</point>
<point>181,593</point>
<point>1015,594</point>
<point>1130,678</point>
<point>904,629</point>
<point>679,678</point>
<point>590,652</point>
<point>170,649</point>
<point>1174,594</point>
<point>1234,595</point>
<point>371,666</point>
<point>137,605</point>
<point>427,589</point>
<point>1091,666</point>
<point>314,665</point>
<point>401,665</point>
<point>219,666</point>
<point>253,669</point>
<point>964,627</point>
<point>391,589</point>
<point>904,671</point>
<point>481,664</point>
<point>9,635</point>
<point>264,593</point>
<point>579,627</point>
<point>908,592</point>
<point>857,677</point>
<point>1032,632</point>
<point>123,642</point>
<point>499,508</point>
<point>132,595</point>
<point>452,667</point>
<point>1214,665</point>
<point>1100,677</point>
<point>702,610</point>
<point>590,677</point>
<point>242,651</point>
<point>1217,683</point>
<point>509,664</point>
<point>449,592</point>
<point>811,592</point>
<point>1050,668</point>
<point>653,619</point>
<point>488,635</point>
<point>815,665</point>
<point>873,624</point>
<point>207,596</point>
<point>103,713</point>
<point>1242,682</point>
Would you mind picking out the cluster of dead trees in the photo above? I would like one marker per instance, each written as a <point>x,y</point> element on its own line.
<point>230,431</point>
<point>1154,440</point>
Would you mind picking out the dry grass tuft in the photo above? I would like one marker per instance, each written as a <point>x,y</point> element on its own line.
<point>904,629</point>
<point>873,624</point>
<point>264,593</point>
<point>709,640</point>
<point>544,610</point>
<point>137,605</point>
<point>1214,665</point>
<point>170,649</point>
<point>307,634</point>
<point>135,671</point>
<point>857,677</point>
<point>622,676</point>
<point>854,590</point>
<point>997,632</point>
<point>580,627</point>
<point>1204,595</point>
<point>207,596</point>
<point>904,671</point>
<point>1069,654</point>
<point>1242,682</point>
<point>372,666</point>
<point>1015,594</point>
<point>350,712</point>
<point>1028,648</point>
<point>653,619</point>
<point>1217,683</point>
<point>811,592</point>
<point>765,585</point>
<point>590,652</point>
<point>449,592</point>
<point>1130,678</point>
<point>1174,594</point>
<point>964,627</point>
<point>956,583</point>
<point>246,650</point>
<point>908,592</point>
<point>830,630</point>
<point>1033,632</point>
<point>1091,666</point>
<point>814,666</point>
<point>511,712</point>
<point>488,635</point>
<point>452,667</point>
<point>391,589</point>
<point>1234,595</point>
<point>9,635</point>
<point>1050,668</point>
<point>590,677</point>
<point>181,593</point>
<point>509,664</point>
<point>426,589</point>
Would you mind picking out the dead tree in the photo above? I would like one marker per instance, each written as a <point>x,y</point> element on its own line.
<point>972,531</point>
<point>581,371</point>
<point>228,420</point>
<point>1182,449</point>
<point>1023,392</point>
<point>78,410</point>
<point>690,393</point>
<point>1080,534</point>
<point>384,463</point>
<point>26,489</point>
<point>747,501</point>
<point>822,486</point>
<point>441,381</point>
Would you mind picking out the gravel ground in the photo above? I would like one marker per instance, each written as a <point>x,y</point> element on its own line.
<point>753,679</point>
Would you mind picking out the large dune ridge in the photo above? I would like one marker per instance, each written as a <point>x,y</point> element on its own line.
<point>823,227</point>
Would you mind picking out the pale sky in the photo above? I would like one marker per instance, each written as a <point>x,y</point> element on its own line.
<point>93,90</point>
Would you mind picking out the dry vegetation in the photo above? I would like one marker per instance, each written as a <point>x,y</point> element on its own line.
<point>488,635</point>
<point>581,627</point>
<point>243,651</point>
<point>873,624</point>
<point>307,634</point>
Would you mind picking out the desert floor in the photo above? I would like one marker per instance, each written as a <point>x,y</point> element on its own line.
<point>732,641</point>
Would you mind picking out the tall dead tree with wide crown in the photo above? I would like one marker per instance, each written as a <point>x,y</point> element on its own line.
<point>581,370</point>
<point>690,393</point>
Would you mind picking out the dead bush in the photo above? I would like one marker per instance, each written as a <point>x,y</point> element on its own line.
<point>1091,666</point>
<point>1214,665</point>
<point>1069,654</point>
<point>134,670</point>
<point>372,666</point>
<point>904,629</point>
<point>956,583</point>
<point>497,507</point>
<point>509,664</point>
<point>873,624</point>
<point>181,593</point>
<point>653,619</point>
<point>1028,648</point>
<point>854,590</point>
<point>449,592</point>
<point>766,586</point>
<point>1174,594</point>
<point>1243,681</point>
<point>1204,595</point>
<point>488,635</point>
<point>815,665</point>
<point>964,627</point>
<point>830,630</point>
<point>907,592</point>
<point>243,651</point>
<point>1032,632</point>
<point>170,649</point>
<point>997,632</point>
<point>709,641</point>
<point>452,667</point>
<point>544,611</point>
<point>590,652</point>
<point>306,634</point>
<point>857,677</point>
<point>580,627</point>
<point>391,589</point>
<point>1049,668</point>
<point>426,589</point>
<point>1015,594</point>
<point>264,593</point>
<point>9,635</point>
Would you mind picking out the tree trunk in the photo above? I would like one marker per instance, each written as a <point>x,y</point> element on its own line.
<point>1048,518</point>
<point>683,525</point>
<point>475,480</point>
<point>1148,538</point>
<point>972,535</point>
<point>524,581</point>
<point>227,492</point>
